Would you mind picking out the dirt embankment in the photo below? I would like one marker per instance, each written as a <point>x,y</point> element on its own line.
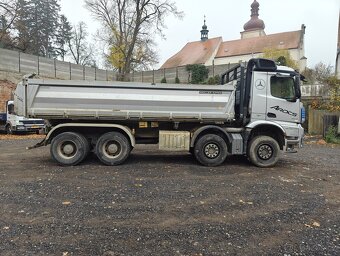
<point>6,90</point>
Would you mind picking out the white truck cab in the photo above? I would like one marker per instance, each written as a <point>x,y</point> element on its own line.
<point>275,100</point>
<point>13,123</point>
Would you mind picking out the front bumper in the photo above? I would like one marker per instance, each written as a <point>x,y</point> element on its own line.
<point>294,142</point>
<point>24,128</point>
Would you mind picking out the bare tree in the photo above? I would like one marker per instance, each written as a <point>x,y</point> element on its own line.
<point>131,27</point>
<point>81,52</point>
<point>8,14</point>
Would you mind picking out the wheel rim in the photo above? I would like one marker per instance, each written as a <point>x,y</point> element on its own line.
<point>211,150</point>
<point>111,149</point>
<point>265,152</point>
<point>67,149</point>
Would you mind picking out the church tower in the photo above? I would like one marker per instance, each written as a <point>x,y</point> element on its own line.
<point>255,26</point>
<point>204,32</point>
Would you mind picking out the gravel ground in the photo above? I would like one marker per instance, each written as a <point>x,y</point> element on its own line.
<point>166,204</point>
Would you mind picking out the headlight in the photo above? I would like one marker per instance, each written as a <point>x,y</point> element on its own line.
<point>303,114</point>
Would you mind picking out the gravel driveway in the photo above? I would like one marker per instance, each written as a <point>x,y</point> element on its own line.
<point>166,204</point>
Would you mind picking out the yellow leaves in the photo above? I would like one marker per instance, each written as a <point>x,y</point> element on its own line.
<point>66,203</point>
<point>280,55</point>
<point>314,224</point>
<point>333,103</point>
<point>244,202</point>
<point>117,56</point>
<point>321,142</point>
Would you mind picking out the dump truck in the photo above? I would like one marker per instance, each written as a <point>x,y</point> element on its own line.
<point>256,112</point>
<point>12,123</point>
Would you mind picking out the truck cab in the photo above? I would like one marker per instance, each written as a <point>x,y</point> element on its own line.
<point>276,101</point>
<point>268,105</point>
<point>13,123</point>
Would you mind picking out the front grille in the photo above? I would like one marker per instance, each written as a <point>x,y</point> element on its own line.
<point>32,122</point>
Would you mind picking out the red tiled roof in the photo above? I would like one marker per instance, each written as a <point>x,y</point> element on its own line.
<point>286,40</point>
<point>197,52</point>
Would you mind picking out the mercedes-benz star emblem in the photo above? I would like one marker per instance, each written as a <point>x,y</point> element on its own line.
<point>260,84</point>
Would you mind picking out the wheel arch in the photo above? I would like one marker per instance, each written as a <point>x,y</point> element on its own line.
<point>270,129</point>
<point>68,127</point>
<point>8,127</point>
<point>210,129</point>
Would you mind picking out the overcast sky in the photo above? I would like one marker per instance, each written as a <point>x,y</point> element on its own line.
<point>226,18</point>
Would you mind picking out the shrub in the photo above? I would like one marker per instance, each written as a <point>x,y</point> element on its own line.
<point>199,73</point>
<point>163,81</point>
<point>177,81</point>
<point>331,135</point>
<point>214,80</point>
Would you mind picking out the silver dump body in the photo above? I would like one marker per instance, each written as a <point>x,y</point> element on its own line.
<point>95,100</point>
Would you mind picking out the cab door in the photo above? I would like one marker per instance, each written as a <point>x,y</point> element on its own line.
<point>282,102</point>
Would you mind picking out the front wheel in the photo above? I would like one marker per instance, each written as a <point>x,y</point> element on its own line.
<point>264,151</point>
<point>113,148</point>
<point>9,129</point>
<point>210,150</point>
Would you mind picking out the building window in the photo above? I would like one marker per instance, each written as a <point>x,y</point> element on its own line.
<point>282,87</point>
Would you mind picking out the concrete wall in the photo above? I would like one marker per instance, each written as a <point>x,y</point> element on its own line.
<point>21,63</point>
<point>13,61</point>
<point>155,76</point>
<point>315,90</point>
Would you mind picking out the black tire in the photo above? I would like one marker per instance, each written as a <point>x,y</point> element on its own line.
<point>9,129</point>
<point>210,150</point>
<point>264,151</point>
<point>69,148</point>
<point>87,146</point>
<point>113,148</point>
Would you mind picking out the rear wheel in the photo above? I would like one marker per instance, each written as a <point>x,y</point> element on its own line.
<point>210,150</point>
<point>113,148</point>
<point>264,151</point>
<point>69,148</point>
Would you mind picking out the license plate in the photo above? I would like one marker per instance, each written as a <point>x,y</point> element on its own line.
<point>35,126</point>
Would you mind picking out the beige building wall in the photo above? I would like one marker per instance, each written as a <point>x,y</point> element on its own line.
<point>296,55</point>
<point>299,57</point>
<point>251,34</point>
<point>236,59</point>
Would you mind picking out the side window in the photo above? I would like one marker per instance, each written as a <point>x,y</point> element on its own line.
<point>282,87</point>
